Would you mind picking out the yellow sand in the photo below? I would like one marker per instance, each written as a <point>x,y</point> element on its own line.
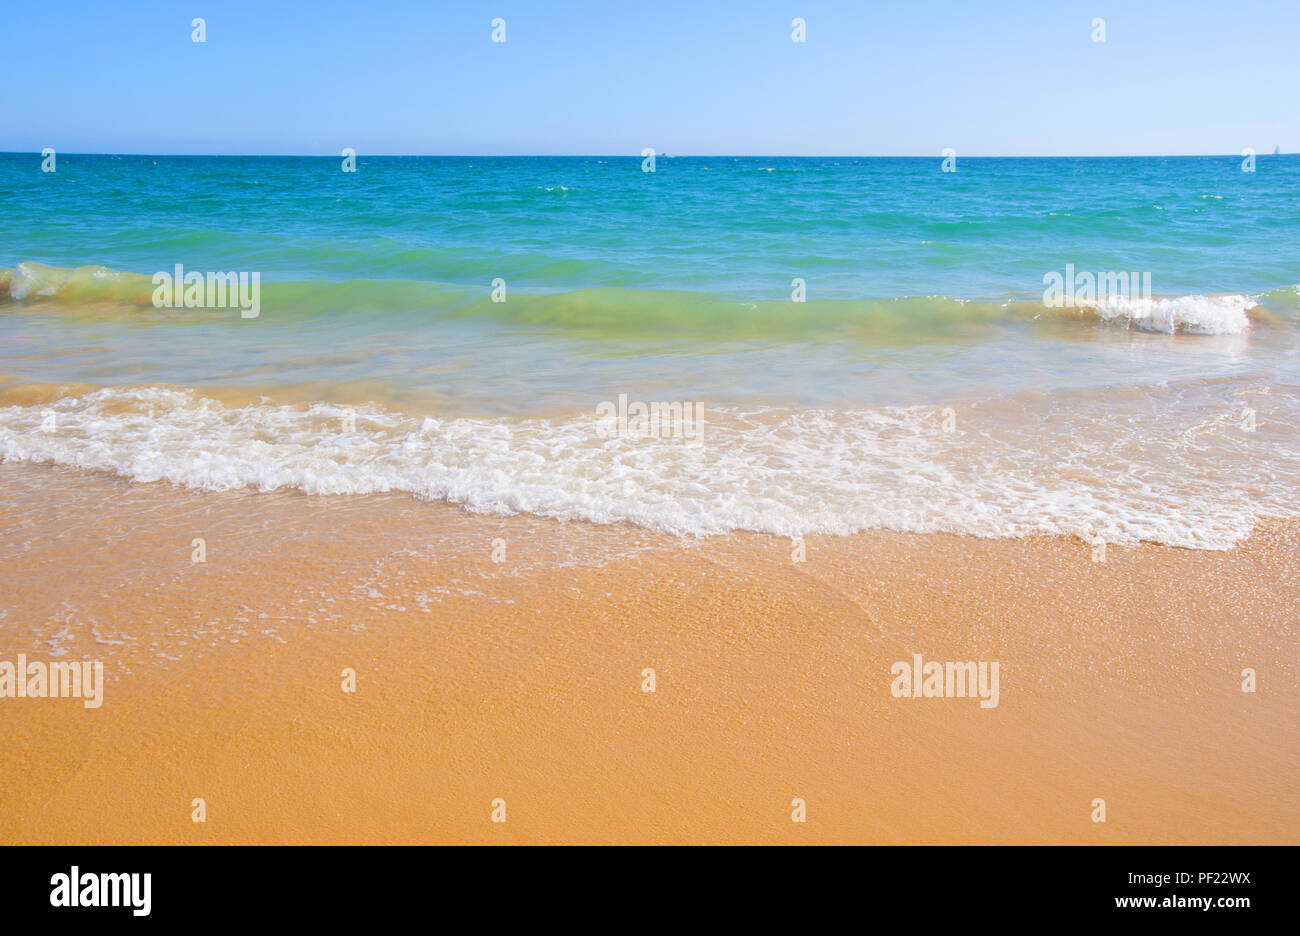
<point>522,679</point>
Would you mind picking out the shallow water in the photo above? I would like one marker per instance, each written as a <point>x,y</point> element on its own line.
<point>922,386</point>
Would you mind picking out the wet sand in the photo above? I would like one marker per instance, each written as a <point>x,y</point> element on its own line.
<point>521,679</point>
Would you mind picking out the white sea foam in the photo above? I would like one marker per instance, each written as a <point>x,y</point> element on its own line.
<point>787,472</point>
<point>1198,315</point>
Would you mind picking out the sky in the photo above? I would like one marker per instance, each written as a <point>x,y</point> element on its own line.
<point>874,77</point>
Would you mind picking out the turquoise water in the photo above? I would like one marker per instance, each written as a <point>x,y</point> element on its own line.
<point>923,385</point>
<point>742,227</point>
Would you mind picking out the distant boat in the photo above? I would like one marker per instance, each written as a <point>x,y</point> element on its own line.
<point>1277,151</point>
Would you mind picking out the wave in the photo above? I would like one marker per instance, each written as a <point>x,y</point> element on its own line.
<point>617,311</point>
<point>1197,315</point>
<point>1129,469</point>
<point>35,281</point>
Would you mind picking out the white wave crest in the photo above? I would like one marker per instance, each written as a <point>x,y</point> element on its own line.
<point>1197,315</point>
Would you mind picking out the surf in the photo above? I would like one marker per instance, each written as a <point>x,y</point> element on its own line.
<point>96,290</point>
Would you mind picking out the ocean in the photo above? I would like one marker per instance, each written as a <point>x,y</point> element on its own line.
<point>868,343</point>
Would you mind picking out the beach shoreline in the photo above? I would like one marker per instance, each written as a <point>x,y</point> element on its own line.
<point>505,658</point>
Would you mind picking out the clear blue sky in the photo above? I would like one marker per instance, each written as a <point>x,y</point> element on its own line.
<point>875,77</point>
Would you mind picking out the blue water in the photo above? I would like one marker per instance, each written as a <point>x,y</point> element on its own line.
<point>923,385</point>
<point>742,227</point>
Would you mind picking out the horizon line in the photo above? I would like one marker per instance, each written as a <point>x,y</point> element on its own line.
<point>665,155</point>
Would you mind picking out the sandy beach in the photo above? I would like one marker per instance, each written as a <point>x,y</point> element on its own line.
<point>523,679</point>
